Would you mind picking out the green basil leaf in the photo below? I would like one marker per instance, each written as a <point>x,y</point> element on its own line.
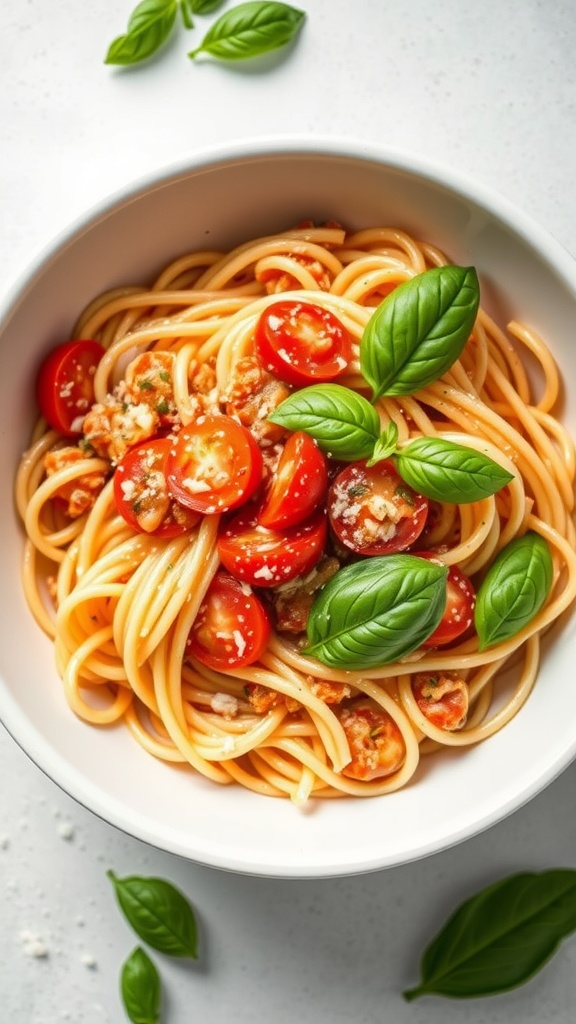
<point>149,26</point>
<point>376,611</point>
<point>446,471</point>
<point>500,937</point>
<point>385,445</point>
<point>140,988</point>
<point>342,422</point>
<point>419,330</point>
<point>204,6</point>
<point>513,590</point>
<point>159,914</point>
<point>250,29</point>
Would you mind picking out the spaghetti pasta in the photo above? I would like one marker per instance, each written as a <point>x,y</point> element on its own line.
<point>120,600</point>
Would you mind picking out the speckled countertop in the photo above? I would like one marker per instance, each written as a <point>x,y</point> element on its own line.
<point>489,89</point>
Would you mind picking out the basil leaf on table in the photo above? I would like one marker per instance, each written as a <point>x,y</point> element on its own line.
<point>250,29</point>
<point>159,914</point>
<point>342,422</point>
<point>204,6</point>
<point>149,26</point>
<point>140,988</point>
<point>376,611</point>
<point>445,471</point>
<point>419,330</point>
<point>513,590</point>
<point>500,937</point>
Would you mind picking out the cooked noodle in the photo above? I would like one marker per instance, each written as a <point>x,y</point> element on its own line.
<point>119,604</point>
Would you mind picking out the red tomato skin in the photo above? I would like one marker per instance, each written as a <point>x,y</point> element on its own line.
<point>232,627</point>
<point>65,384</point>
<point>354,498</point>
<point>460,601</point>
<point>136,463</point>
<point>214,439</point>
<point>302,343</point>
<point>299,485</point>
<point>267,558</point>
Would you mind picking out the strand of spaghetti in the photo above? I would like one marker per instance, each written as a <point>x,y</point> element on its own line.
<point>473,416</point>
<point>325,721</point>
<point>174,722</point>
<point>31,591</point>
<point>369,238</point>
<point>31,468</point>
<point>186,587</point>
<point>228,747</point>
<point>72,684</point>
<point>238,260</point>
<point>385,271</point>
<point>536,346</point>
<point>162,749</point>
<point>475,734</point>
<point>504,355</point>
<point>540,440</point>
<point>250,781</point>
<point>379,695</point>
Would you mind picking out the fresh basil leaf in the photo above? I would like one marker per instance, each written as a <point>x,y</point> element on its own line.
<point>446,471</point>
<point>250,29</point>
<point>149,26</point>
<point>514,589</point>
<point>500,937</point>
<point>385,445</point>
<point>375,611</point>
<point>419,330</point>
<point>342,422</point>
<point>204,6</point>
<point>159,914</point>
<point>141,988</point>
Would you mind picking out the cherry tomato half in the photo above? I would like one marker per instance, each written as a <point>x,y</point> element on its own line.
<point>141,493</point>
<point>373,511</point>
<point>65,384</point>
<point>232,627</point>
<point>214,465</point>
<point>460,601</point>
<point>302,343</point>
<point>268,558</point>
<point>298,485</point>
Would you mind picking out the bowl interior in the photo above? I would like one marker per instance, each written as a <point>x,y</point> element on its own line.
<point>217,202</point>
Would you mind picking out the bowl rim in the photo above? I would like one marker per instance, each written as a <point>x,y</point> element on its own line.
<point>26,736</point>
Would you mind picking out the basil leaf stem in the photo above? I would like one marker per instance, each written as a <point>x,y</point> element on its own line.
<point>419,330</point>
<point>514,589</point>
<point>375,611</point>
<point>385,445</point>
<point>159,914</point>
<point>342,422</point>
<point>149,26</point>
<point>500,937</point>
<point>445,471</point>
<point>140,988</point>
<point>250,29</point>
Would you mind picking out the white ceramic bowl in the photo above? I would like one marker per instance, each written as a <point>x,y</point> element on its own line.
<point>222,198</point>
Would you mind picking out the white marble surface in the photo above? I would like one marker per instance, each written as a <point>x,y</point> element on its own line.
<point>488,88</point>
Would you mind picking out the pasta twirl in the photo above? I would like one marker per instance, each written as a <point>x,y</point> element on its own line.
<point>120,599</point>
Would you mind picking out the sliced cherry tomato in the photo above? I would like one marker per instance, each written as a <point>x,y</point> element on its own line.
<point>298,485</point>
<point>141,493</point>
<point>268,558</point>
<point>65,384</point>
<point>232,627</point>
<point>214,465</point>
<point>373,512</point>
<point>442,698</point>
<point>460,601</point>
<point>302,343</point>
